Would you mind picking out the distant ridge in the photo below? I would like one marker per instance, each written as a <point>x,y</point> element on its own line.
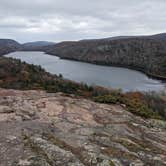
<point>161,36</point>
<point>8,45</point>
<point>37,45</point>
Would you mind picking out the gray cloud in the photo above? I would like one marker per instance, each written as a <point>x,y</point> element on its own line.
<point>58,20</point>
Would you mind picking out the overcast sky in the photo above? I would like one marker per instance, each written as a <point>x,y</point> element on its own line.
<point>59,20</point>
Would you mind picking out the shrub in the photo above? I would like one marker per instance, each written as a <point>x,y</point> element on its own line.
<point>139,108</point>
<point>108,99</point>
<point>157,102</point>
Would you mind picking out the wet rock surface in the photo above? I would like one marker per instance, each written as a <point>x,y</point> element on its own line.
<point>41,129</point>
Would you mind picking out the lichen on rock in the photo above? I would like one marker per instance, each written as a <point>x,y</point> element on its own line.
<point>42,129</point>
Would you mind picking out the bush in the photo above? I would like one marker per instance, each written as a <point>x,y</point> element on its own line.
<point>108,99</point>
<point>157,102</point>
<point>139,108</point>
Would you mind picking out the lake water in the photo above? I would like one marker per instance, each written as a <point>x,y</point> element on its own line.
<point>115,77</point>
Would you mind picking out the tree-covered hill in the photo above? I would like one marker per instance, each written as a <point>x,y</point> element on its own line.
<point>140,53</point>
<point>8,45</point>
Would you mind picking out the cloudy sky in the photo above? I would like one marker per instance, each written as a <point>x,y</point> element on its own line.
<point>59,20</point>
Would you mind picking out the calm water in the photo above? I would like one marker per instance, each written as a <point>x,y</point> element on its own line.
<point>115,77</point>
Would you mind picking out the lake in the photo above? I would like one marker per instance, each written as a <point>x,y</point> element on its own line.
<point>107,76</point>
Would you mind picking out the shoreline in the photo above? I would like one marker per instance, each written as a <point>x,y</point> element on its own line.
<point>150,75</point>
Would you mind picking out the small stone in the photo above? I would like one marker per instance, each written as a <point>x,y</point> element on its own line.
<point>24,163</point>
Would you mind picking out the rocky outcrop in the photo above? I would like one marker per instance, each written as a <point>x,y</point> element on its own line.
<point>8,45</point>
<point>147,54</point>
<point>38,128</point>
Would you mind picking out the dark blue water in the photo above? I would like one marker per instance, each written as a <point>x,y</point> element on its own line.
<point>115,77</point>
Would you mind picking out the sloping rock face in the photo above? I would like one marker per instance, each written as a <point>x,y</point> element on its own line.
<point>141,53</point>
<point>41,129</point>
